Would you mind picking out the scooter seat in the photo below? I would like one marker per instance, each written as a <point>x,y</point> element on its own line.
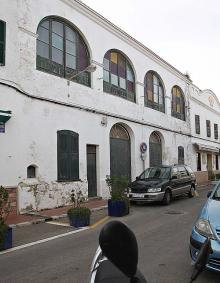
<point>109,273</point>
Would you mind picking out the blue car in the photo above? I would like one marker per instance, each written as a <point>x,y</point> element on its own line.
<point>208,225</point>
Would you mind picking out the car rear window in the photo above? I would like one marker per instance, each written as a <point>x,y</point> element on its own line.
<point>182,171</point>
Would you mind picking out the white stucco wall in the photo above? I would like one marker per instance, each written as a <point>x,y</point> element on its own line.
<point>49,104</point>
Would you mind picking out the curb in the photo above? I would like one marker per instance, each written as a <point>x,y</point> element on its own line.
<point>49,218</point>
<point>46,218</point>
<point>202,187</point>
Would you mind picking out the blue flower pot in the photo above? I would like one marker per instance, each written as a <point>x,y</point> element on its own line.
<point>117,208</point>
<point>79,221</point>
<point>7,244</point>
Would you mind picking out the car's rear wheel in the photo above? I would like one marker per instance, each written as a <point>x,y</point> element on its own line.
<point>167,197</point>
<point>191,192</point>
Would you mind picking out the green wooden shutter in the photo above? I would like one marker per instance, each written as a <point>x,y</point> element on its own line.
<point>61,156</point>
<point>2,42</point>
<point>74,156</point>
<point>67,155</point>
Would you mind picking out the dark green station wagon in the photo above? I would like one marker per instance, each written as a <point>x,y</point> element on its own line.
<point>162,183</point>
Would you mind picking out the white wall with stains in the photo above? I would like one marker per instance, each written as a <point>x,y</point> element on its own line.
<point>46,104</point>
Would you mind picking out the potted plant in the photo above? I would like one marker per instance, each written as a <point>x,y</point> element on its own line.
<point>78,216</point>
<point>5,230</point>
<point>118,205</point>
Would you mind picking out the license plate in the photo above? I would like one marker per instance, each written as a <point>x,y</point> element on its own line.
<point>138,195</point>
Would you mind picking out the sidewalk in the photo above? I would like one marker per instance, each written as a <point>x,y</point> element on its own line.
<point>51,214</point>
<point>56,213</point>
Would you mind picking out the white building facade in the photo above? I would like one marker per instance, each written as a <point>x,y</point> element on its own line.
<point>205,118</point>
<point>62,127</point>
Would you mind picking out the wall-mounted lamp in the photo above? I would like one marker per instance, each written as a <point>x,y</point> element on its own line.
<point>90,69</point>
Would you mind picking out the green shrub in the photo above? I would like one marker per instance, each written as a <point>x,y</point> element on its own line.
<point>5,208</point>
<point>77,200</point>
<point>217,176</point>
<point>3,231</point>
<point>79,211</point>
<point>117,187</point>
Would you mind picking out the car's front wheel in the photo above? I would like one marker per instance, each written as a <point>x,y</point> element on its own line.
<point>167,197</point>
<point>191,192</point>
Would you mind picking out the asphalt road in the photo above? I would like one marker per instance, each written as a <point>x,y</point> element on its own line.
<point>163,237</point>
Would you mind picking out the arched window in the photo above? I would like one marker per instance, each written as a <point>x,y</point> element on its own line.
<point>154,92</point>
<point>61,51</point>
<point>31,171</point>
<point>180,155</point>
<point>178,103</point>
<point>118,76</point>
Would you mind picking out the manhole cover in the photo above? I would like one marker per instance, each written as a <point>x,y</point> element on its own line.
<point>174,212</point>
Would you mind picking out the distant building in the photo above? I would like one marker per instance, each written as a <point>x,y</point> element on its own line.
<point>62,126</point>
<point>205,119</point>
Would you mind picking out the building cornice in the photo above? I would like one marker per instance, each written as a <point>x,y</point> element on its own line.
<point>205,105</point>
<point>100,20</point>
<point>203,139</point>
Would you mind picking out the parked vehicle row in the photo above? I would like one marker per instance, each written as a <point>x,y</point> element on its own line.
<point>164,183</point>
<point>116,258</point>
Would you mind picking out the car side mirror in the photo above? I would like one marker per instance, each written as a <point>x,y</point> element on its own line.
<point>174,177</point>
<point>209,194</point>
<point>119,245</point>
<point>137,178</point>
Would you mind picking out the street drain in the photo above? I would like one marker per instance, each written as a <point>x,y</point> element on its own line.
<point>174,212</point>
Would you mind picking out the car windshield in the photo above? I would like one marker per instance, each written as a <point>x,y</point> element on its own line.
<point>155,172</point>
<point>217,193</point>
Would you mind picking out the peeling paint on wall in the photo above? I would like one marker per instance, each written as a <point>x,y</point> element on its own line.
<point>35,195</point>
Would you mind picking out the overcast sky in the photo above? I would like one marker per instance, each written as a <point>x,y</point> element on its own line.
<point>185,33</point>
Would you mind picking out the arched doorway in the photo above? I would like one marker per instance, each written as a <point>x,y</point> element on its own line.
<point>120,152</point>
<point>155,148</point>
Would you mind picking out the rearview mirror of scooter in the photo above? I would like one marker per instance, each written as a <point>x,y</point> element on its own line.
<point>202,259</point>
<point>119,245</point>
